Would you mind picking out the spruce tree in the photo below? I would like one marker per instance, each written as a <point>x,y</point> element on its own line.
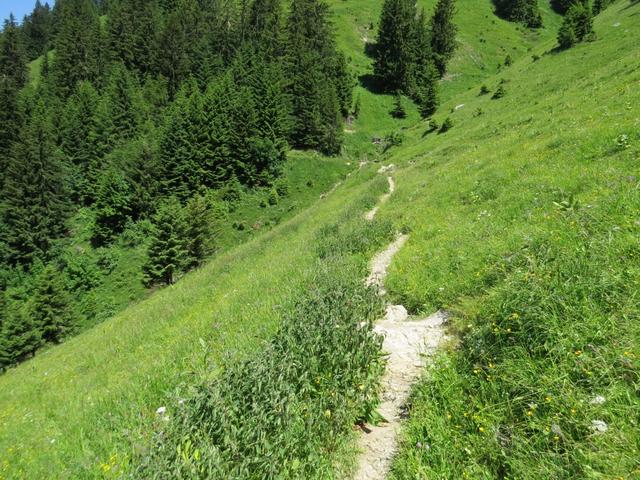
<point>311,69</point>
<point>200,231</point>
<point>167,253</point>
<point>112,206</point>
<point>118,116</point>
<point>77,126</point>
<point>443,34</point>
<point>51,306</point>
<point>12,57</point>
<point>37,28</point>
<point>577,25</point>
<point>20,337</point>
<point>131,33</point>
<point>78,42</point>
<point>34,206</point>
<point>394,48</point>
<point>265,27</point>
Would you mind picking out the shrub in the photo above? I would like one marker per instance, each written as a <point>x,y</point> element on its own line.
<point>280,412</point>
<point>446,125</point>
<point>499,93</point>
<point>484,90</point>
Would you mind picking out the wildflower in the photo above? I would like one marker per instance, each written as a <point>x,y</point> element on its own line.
<point>547,399</point>
<point>327,413</point>
<point>508,330</point>
<point>529,413</point>
<point>481,429</point>
<point>577,353</point>
<point>161,410</point>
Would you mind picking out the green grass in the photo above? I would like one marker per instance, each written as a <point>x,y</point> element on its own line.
<point>524,224</point>
<point>527,206</point>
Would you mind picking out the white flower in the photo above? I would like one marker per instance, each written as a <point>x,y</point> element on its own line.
<point>598,400</point>
<point>161,410</point>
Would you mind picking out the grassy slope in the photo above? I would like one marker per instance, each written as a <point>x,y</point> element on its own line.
<point>93,394</point>
<point>524,223</point>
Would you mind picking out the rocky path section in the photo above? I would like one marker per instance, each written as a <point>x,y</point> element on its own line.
<point>408,345</point>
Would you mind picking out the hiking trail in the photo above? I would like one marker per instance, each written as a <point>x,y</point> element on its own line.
<point>407,345</point>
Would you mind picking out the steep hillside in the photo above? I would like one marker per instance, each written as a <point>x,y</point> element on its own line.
<point>522,222</point>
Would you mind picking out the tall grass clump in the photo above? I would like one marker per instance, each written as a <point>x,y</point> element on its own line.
<point>287,411</point>
<point>546,380</point>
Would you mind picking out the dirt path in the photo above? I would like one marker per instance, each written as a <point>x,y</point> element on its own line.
<point>408,344</point>
<point>371,214</point>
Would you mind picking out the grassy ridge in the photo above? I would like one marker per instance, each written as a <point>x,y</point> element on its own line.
<point>524,220</point>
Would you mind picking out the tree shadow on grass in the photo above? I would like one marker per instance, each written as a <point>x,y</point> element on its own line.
<point>372,83</point>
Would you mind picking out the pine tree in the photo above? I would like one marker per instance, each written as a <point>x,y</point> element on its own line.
<point>167,254</point>
<point>20,337</point>
<point>311,69</point>
<point>112,206</point>
<point>443,34</point>
<point>37,28</point>
<point>12,57</point>
<point>13,75</point>
<point>423,82</point>
<point>577,25</point>
<point>117,118</point>
<point>264,27</point>
<point>394,48</point>
<point>77,43</point>
<point>51,306</point>
<point>10,121</point>
<point>199,232</point>
<point>34,206</point>
<point>77,125</point>
<point>131,33</point>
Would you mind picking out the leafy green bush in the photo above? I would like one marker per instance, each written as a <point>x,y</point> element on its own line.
<point>281,413</point>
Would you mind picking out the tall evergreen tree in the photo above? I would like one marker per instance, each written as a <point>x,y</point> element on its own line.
<point>118,116</point>
<point>199,231</point>
<point>37,28</point>
<point>112,206</point>
<point>577,25</point>
<point>12,56</point>
<point>20,337</point>
<point>167,254</point>
<point>78,43</point>
<point>10,121</point>
<point>394,48</point>
<point>311,57</point>
<point>77,126</point>
<point>443,34</point>
<point>131,33</point>
<point>51,306</point>
<point>265,26</point>
<point>34,206</point>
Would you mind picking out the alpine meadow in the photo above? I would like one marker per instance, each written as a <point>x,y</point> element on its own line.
<point>320,239</point>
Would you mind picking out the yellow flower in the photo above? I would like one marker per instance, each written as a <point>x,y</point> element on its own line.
<point>547,399</point>
<point>327,413</point>
<point>530,413</point>
<point>481,429</point>
<point>577,353</point>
